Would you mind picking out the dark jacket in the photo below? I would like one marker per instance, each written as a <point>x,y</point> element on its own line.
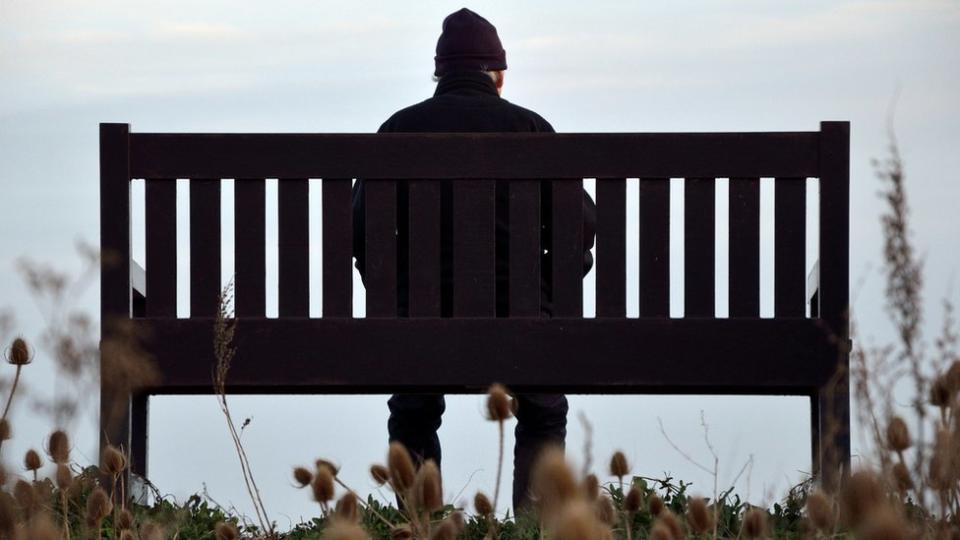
<point>466,102</point>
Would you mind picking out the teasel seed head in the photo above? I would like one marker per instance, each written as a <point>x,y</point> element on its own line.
<point>428,487</point>
<point>618,465</point>
<point>380,474</point>
<point>8,516</point>
<point>322,485</point>
<point>19,353</point>
<point>4,430</point>
<point>884,523</point>
<point>483,505</point>
<point>858,495</point>
<point>125,520</point>
<point>98,507</point>
<point>226,531</point>
<point>347,508</point>
<point>755,523</point>
<point>591,487</point>
<point>64,476</point>
<point>820,511</point>
<point>498,403</point>
<point>334,469</point>
<point>32,460</point>
<point>952,377</point>
<point>302,476</point>
<point>672,523</point>
<point>552,482</point>
<point>576,521</point>
<point>41,528</point>
<point>59,447</point>
<point>401,467</point>
<point>114,462</point>
<point>343,530</point>
<point>898,436</point>
<point>901,477</point>
<point>656,505</point>
<point>940,392</point>
<point>698,515</point>
<point>605,510</point>
<point>660,531</point>
<point>25,496</point>
<point>633,501</point>
<point>448,529</point>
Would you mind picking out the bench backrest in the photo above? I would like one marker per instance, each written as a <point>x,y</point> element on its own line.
<point>474,163</point>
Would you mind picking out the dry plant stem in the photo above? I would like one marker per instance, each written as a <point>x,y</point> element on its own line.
<point>496,489</point>
<point>13,389</point>
<point>224,352</point>
<point>66,519</point>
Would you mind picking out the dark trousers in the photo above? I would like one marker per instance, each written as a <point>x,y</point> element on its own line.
<point>541,420</point>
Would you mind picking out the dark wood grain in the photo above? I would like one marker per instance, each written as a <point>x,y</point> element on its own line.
<point>337,221</point>
<point>567,248</point>
<point>744,258</point>
<point>381,248</point>
<point>596,355</point>
<point>474,249</point>
<point>654,247</point>
<point>611,247</point>
<point>250,241</point>
<point>789,249</point>
<point>424,248</point>
<point>524,248</point>
<point>204,247</point>
<point>293,253</point>
<point>699,247</point>
<point>474,155</point>
<point>160,224</point>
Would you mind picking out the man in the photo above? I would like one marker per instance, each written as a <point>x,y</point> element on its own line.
<point>470,64</point>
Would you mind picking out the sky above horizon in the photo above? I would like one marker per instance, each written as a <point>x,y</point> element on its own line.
<point>313,66</point>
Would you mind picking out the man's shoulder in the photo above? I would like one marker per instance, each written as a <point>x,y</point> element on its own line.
<point>445,113</point>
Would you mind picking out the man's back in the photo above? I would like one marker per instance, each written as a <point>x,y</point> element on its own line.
<point>466,102</point>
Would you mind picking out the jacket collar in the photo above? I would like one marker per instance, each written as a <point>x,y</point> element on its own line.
<point>466,82</point>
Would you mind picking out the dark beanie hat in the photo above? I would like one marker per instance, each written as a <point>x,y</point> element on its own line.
<point>468,43</point>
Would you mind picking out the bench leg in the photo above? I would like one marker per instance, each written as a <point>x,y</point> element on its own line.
<point>115,408</point>
<point>830,431</point>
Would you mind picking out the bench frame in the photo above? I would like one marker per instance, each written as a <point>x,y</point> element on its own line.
<point>791,353</point>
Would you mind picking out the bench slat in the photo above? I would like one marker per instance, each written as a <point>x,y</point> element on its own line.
<point>381,248</point>
<point>474,249</point>
<point>524,248</point>
<point>744,276</point>
<point>699,247</point>
<point>474,155</point>
<point>337,239</point>
<point>424,248</point>
<point>464,355</point>
<point>611,260</point>
<point>789,264</point>
<point>566,216</point>
<point>250,241</point>
<point>160,223</point>
<point>204,246</point>
<point>654,247</point>
<point>293,253</point>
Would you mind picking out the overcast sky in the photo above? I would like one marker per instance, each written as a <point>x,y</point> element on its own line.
<point>314,66</point>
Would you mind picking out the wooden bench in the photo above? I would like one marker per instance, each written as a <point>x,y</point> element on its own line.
<point>791,353</point>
